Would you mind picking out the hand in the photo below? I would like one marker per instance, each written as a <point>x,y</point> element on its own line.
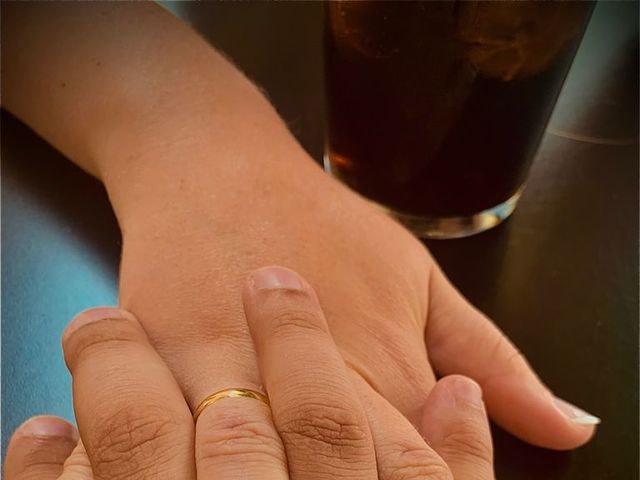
<point>393,314</point>
<point>135,422</point>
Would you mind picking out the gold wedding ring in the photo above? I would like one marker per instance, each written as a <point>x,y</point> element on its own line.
<point>226,393</point>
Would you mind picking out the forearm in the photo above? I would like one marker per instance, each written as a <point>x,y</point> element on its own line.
<point>133,96</point>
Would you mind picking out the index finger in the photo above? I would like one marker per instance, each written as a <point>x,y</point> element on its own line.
<point>132,416</point>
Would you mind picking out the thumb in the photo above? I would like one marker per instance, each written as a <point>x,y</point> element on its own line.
<point>462,340</point>
<point>455,425</point>
<point>43,449</point>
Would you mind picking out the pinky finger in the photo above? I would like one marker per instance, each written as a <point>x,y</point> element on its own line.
<point>39,448</point>
<point>455,424</point>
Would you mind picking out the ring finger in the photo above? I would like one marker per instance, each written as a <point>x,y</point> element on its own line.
<point>236,440</point>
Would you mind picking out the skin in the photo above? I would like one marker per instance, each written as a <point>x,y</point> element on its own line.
<point>208,184</point>
<point>327,422</point>
<point>111,361</point>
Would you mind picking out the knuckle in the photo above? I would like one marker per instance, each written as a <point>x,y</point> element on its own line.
<point>516,359</point>
<point>507,356</point>
<point>412,462</point>
<point>103,334</point>
<point>334,431</point>
<point>133,439</point>
<point>466,444</point>
<point>236,436</point>
<point>292,322</point>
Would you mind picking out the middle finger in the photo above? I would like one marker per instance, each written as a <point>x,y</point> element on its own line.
<point>315,406</point>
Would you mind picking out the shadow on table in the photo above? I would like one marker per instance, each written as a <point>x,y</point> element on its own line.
<point>516,459</point>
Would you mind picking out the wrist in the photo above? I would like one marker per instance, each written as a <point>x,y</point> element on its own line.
<point>210,184</point>
<point>211,161</point>
<point>195,122</point>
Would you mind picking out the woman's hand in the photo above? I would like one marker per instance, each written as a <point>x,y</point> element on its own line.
<point>394,316</point>
<point>324,422</point>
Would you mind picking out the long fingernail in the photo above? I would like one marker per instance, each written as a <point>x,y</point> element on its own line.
<point>466,390</point>
<point>575,414</point>
<point>270,278</point>
<point>46,426</point>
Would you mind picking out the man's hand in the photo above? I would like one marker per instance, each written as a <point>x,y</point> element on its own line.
<point>47,448</point>
<point>324,421</point>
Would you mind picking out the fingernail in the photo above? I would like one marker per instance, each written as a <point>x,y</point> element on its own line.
<point>575,414</point>
<point>93,315</point>
<point>269,278</point>
<point>45,426</point>
<point>467,390</point>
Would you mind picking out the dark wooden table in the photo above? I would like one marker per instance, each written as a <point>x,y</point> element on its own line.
<point>560,277</point>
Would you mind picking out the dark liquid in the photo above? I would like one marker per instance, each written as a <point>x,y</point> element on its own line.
<point>437,108</point>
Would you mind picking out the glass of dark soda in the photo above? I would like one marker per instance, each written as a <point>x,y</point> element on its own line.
<point>435,109</point>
